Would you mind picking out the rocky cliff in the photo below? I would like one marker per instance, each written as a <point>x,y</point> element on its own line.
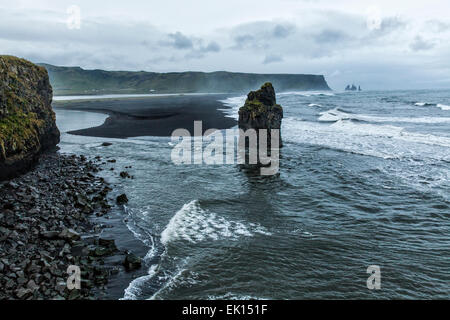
<point>75,80</point>
<point>261,111</point>
<point>27,121</point>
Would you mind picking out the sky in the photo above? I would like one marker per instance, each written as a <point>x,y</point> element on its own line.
<point>379,44</point>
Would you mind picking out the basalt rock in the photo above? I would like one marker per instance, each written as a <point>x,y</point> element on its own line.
<point>122,199</point>
<point>261,111</point>
<point>27,121</point>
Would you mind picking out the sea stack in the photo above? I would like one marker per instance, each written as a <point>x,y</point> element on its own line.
<point>261,111</point>
<point>27,121</point>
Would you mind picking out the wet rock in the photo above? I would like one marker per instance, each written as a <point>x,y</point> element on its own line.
<point>122,199</point>
<point>107,243</point>
<point>31,285</point>
<point>23,293</point>
<point>74,295</point>
<point>124,175</point>
<point>40,234</point>
<point>49,235</point>
<point>69,234</point>
<point>106,144</point>
<point>132,262</point>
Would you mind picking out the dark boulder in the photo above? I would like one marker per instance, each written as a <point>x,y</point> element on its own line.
<point>122,199</point>
<point>132,262</point>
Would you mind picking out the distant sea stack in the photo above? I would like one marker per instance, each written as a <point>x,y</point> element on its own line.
<point>75,80</point>
<point>261,111</point>
<point>352,88</point>
<point>27,121</point>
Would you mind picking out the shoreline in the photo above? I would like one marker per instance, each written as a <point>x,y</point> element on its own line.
<point>152,116</point>
<point>56,216</point>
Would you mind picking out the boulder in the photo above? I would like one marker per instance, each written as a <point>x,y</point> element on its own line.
<point>122,199</point>
<point>27,121</point>
<point>132,262</point>
<point>69,235</point>
<point>124,175</point>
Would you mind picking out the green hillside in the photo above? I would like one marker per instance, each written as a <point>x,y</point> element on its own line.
<point>75,80</point>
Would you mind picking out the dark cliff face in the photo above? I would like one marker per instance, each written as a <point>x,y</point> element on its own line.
<point>261,111</point>
<point>27,121</point>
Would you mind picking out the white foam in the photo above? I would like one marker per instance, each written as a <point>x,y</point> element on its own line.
<point>384,141</point>
<point>439,105</point>
<point>337,115</point>
<point>306,93</point>
<point>314,105</point>
<point>232,296</point>
<point>443,107</point>
<point>134,289</point>
<point>193,224</point>
<point>234,103</point>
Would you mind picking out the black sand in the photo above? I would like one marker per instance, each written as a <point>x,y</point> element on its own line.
<point>152,116</point>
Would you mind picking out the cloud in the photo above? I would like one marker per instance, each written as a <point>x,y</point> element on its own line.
<point>282,31</point>
<point>327,36</point>
<point>272,58</point>
<point>419,44</point>
<point>213,46</point>
<point>319,37</point>
<point>436,26</point>
<point>260,34</point>
<point>180,41</point>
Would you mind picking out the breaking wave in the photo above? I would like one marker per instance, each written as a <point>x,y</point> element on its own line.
<point>338,114</point>
<point>383,141</point>
<point>438,105</point>
<point>193,224</point>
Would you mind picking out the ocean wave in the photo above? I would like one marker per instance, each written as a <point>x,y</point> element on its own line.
<point>383,141</point>
<point>234,103</point>
<point>314,105</point>
<point>232,296</point>
<point>438,105</point>
<point>424,104</point>
<point>390,132</point>
<point>338,114</point>
<point>193,224</point>
<point>135,288</point>
<point>306,93</point>
<point>443,107</point>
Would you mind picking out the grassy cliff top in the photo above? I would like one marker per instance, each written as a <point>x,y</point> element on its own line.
<point>75,80</point>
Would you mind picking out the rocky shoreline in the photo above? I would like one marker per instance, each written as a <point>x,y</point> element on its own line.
<point>47,225</point>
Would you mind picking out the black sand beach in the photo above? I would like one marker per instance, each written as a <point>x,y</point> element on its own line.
<point>152,116</point>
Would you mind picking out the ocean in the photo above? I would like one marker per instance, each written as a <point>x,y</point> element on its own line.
<point>364,181</point>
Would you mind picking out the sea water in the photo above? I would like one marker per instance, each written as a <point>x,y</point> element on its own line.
<point>364,180</point>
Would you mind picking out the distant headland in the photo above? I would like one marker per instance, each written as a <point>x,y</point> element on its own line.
<point>76,81</point>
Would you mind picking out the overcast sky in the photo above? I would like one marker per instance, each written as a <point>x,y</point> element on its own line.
<point>378,44</point>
